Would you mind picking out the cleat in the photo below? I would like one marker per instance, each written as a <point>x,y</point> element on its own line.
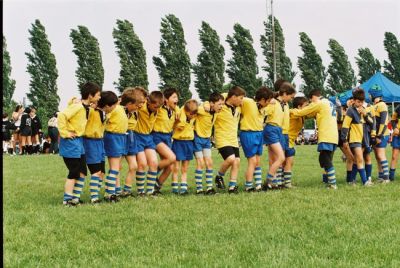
<point>368,183</point>
<point>210,191</point>
<point>125,194</point>
<point>250,190</point>
<point>267,186</point>
<point>200,192</point>
<point>258,188</point>
<point>157,191</point>
<point>111,199</point>
<point>233,190</point>
<point>95,201</point>
<point>141,195</point>
<point>219,182</point>
<point>332,186</point>
<point>288,185</point>
<point>70,203</point>
<point>352,183</point>
<point>184,193</point>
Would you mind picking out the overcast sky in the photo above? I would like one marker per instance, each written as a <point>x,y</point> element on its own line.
<point>352,23</point>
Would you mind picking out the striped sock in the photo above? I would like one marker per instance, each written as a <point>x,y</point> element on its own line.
<point>354,173</point>
<point>175,187</point>
<point>368,170</point>
<point>248,185</point>
<point>78,188</point>
<point>221,174</point>
<point>151,181</point>
<point>380,175</point>
<point>279,176</point>
<point>258,177</point>
<point>209,176</point>
<point>140,178</point>
<point>270,179</point>
<point>184,187</point>
<point>392,173</point>
<point>199,179</point>
<point>325,178</point>
<point>330,172</point>
<point>363,175</point>
<point>232,184</point>
<point>118,190</point>
<point>110,182</point>
<point>67,197</point>
<point>94,188</point>
<point>385,169</point>
<point>127,188</point>
<point>287,176</point>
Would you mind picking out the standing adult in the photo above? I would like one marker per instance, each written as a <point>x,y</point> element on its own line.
<point>26,131</point>
<point>16,118</point>
<point>36,129</point>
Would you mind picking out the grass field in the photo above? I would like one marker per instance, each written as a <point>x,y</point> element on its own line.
<point>308,226</point>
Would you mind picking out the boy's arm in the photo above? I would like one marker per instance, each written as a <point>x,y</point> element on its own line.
<point>346,127</point>
<point>383,113</point>
<point>312,108</point>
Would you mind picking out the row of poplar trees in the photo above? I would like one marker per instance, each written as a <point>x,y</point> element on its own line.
<point>174,66</point>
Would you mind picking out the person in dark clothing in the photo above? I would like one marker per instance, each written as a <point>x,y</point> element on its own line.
<point>36,129</point>
<point>6,134</point>
<point>52,131</point>
<point>25,130</point>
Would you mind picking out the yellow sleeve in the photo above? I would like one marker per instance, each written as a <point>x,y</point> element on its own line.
<point>201,111</point>
<point>182,119</point>
<point>71,110</point>
<point>311,109</point>
<point>347,122</point>
<point>269,109</point>
<point>62,125</point>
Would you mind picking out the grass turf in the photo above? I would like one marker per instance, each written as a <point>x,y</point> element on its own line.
<point>306,226</point>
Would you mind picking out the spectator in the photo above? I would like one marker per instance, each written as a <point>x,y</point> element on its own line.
<point>6,134</point>
<point>26,132</point>
<point>36,129</point>
<point>53,134</point>
<point>46,143</point>
<point>16,119</point>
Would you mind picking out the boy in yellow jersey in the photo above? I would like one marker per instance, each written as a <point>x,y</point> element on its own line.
<point>93,141</point>
<point>225,133</point>
<point>353,126</point>
<point>182,145</point>
<point>71,125</point>
<point>203,125</point>
<point>382,133</point>
<point>369,133</point>
<point>325,113</point>
<point>251,135</point>
<point>147,156</point>
<point>273,136</point>
<point>162,135</point>
<point>395,142</point>
<point>295,126</point>
<point>131,99</point>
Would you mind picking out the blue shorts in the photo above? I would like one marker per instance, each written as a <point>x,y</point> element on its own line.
<point>285,141</point>
<point>144,141</point>
<point>252,142</point>
<point>289,152</point>
<point>326,146</point>
<point>162,137</point>
<point>131,143</point>
<point>201,143</point>
<point>272,134</point>
<point>183,149</point>
<point>355,145</point>
<point>114,144</point>
<point>71,148</point>
<point>94,150</point>
<point>396,142</point>
<point>383,143</point>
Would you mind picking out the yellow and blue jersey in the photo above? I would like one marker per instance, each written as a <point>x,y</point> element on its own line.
<point>286,119</point>
<point>204,122</point>
<point>73,119</point>
<point>295,126</point>
<point>165,119</point>
<point>184,129</point>
<point>132,120</point>
<point>353,126</point>
<point>146,120</point>
<point>95,124</point>
<point>117,121</point>
<point>252,117</point>
<point>226,126</point>
<point>325,114</point>
<point>382,118</point>
<point>275,114</point>
<point>396,118</point>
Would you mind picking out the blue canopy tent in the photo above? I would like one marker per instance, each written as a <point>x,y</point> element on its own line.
<point>391,91</point>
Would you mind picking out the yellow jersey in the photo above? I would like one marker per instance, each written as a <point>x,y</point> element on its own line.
<point>146,120</point>
<point>226,126</point>
<point>275,114</point>
<point>204,122</point>
<point>72,119</point>
<point>382,118</point>
<point>165,119</point>
<point>286,118</point>
<point>117,121</point>
<point>396,118</point>
<point>295,126</point>
<point>252,118</point>
<point>95,124</point>
<point>325,113</point>
<point>132,120</point>
<point>353,126</point>
<point>184,129</point>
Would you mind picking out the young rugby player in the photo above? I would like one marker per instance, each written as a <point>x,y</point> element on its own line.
<point>395,142</point>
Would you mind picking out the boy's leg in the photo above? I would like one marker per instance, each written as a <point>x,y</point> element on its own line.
<point>233,188</point>
<point>325,160</point>
<point>251,166</point>
<point>151,157</point>
<point>184,169</point>
<point>72,185</point>
<point>278,159</point>
<point>132,166</point>
<point>393,163</point>
<point>110,183</point>
<point>209,173</point>
<point>141,172</point>
<point>287,174</point>
<point>228,155</point>
<point>175,174</point>
<point>358,155</point>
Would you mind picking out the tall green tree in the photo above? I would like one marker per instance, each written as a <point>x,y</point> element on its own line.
<point>8,82</point>
<point>341,74</point>
<point>311,67</point>
<point>392,67</point>
<point>242,67</point>
<point>43,71</point>
<point>283,62</point>
<point>173,65</point>
<point>367,64</point>
<point>86,48</point>
<point>210,67</point>
<point>132,56</point>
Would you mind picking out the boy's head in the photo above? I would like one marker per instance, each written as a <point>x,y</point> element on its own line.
<point>155,101</point>
<point>300,102</point>
<point>263,96</point>
<point>314,95</point>
<point>133,98</point>
<point>190,108</point>
<point>287,91</point>
<point>359,97</point>
<point>278,83</point>
<point>90,91</point>
<point>27,110</point>
<point>33,109</point>
<point>376,93</point>
<point>19,108</point>
<point>171,97</point>
<point>216,101</point>
<point>236,95</point>
<point>5,115</point>
<point>108,101</point>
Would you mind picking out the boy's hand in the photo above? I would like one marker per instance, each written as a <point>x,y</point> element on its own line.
<point>72,134</point>
<point>396,132</point>
<point>207,106</point>
<point>362,111</point>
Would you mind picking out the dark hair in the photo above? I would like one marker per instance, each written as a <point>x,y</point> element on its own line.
<point>215,96</point>
<point>278,83</point>
<point>263,93</point>
<point>55,114</point>
<point>188,105</point>
<point>314,92</point>
<point>89,88</point>
<point>359,94</point>
<point>5,115</point>
<point>168,92</point>
<point>156,96</point>
<point>287,88</point>
<point>132,94</point>
<point>108,98</point>
<point>27,110</point>
<point>299,101</point>
<point>19,106</point>
<point>33,107</point>
<point>236,91</point>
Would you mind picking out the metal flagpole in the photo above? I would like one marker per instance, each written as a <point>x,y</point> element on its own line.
<point>273,39</point>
